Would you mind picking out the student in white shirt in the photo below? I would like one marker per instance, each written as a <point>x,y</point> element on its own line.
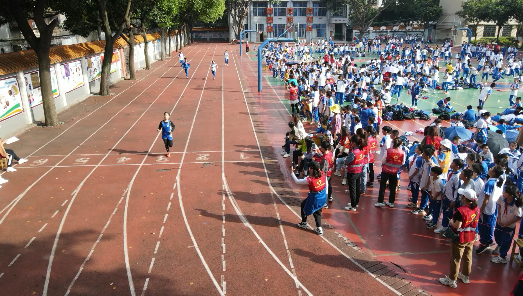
<point>509,213</point>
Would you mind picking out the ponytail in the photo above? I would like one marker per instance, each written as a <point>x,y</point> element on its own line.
<point>356,140</point>
<point>370,130</point>
<point>498,173</point>
<point>397,142</point>
<point>361,133</point>
<point>518,198</point>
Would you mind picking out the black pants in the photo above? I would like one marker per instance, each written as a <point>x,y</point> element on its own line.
<point>296,154</point>
<point>288,144</point>
<point>12,155</point>
<point>393,182</point>
<point>329,187</point>
<point>371,173</point>
<point>295,107</point>
<point>354,182</point>
<point>168,144</point>
<point>317,214</point>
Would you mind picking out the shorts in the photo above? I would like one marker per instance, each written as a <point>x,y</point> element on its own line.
<point>168,142</point>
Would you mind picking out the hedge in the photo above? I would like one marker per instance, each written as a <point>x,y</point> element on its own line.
<point>503,41</point>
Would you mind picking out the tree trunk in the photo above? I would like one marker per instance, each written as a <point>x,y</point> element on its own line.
<point>132,70</point>
<point>106,66</point>
<point>191,40</point>
<point>99,33</point>
<point>185,36</point>
<point>499,30</point>
<point>146,50</point>
<point>170,41</point>
<point>162,44</point>
<point>44,68</point>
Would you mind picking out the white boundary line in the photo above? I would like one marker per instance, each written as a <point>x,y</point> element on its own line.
<point>180,199</point>
<point>292,211</point>
<point>75,192</point>
<point>13,203</point>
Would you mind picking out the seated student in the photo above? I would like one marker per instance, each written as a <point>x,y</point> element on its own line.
<point>10,155</point>
<point>437,183</point>
<point>502,126</point>
<point>469,115</point>
<point>517,104</point>
<point>456,121</point>
<point>486,154</point>
<point>444,105</point>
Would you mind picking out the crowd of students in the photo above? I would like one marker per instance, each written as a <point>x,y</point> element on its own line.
<point>457,185</point>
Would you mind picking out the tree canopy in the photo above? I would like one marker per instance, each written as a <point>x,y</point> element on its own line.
<point>410,12</point>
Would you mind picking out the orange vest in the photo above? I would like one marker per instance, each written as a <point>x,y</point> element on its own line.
<point>317,184</point>
<point>373,146</point>
<point>394,161</point>
<point>366,153</point>
<point>356,166</point>
<point>467,231</point>
<point>445,164</point>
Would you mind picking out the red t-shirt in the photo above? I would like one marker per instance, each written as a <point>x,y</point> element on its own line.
<point>293,93</point>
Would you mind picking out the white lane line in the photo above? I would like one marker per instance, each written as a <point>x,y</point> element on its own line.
<point>180,199</point>
<point>296,214</point>
<point>1,275</point>
<point>13,262</point>
<point>165,218</point>
<point>156,248</point>
<point>139,153</point>
<point>42,227</point>
<point>55,213</point>
<point>151,266</point>
<point>161,232</point>
<point>63,204</point>
<point>95,244</point>
<point>136,164</point>
<point>131,183</point>
<point>172,194</point>
<point>29,243</point>
<point>145,286</point>
<point>223,263</point>
<point>169,205</point>
<point>289,257</point>
<point>13,203</point>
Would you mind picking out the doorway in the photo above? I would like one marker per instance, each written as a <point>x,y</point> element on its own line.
<point>338,31</point>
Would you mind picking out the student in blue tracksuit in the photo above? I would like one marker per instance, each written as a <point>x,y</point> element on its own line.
<point>186,67</point>
<point>414,92</point>
<point>444,105</point>
<point>167,128</point>
<point>487,199</point>
<point>469,115</point>
<point>430,160</point>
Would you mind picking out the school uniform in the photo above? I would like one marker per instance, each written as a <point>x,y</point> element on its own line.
<point>488,216</point>
<point>425,182</point>
<point>451,196</point>
<point>416,165</point>
<point>437,186</point>
<point>167,127</point>
<point>504,235</point>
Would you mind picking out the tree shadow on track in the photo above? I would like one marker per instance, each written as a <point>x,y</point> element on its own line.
<point>27,274</point>
<point>254,220</point>
<point>336,261</point>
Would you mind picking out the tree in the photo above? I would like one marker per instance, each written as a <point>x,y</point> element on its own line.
<point>191,11</point>
<point>473,12</point>
<point>500,12</point>
<point>410,12</point>
<point>40,12</point>
<point>362,13</point>
<point>238,10</point>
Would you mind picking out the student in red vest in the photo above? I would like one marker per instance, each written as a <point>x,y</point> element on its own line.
<point>463,223</point>
<point>373,146</point>
<point>327,165</point>
<point>394,158</point>
<point>355,161</point>
<point>316,198</point>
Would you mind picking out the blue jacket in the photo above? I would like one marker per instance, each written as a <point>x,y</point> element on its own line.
<point>364,116</point>
<point>469,115</point>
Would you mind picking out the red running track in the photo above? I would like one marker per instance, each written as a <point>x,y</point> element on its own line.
<point>394,237</point>
<point>99,209</point>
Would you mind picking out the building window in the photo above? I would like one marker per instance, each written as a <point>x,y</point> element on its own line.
<point>300,8</point>
<point>259,8</point>
<point>339,10</point>
<point>246,27</point>
<point>280,9</point>
<point>489,31</point>
<point>302,30</point>
<point>320,29</point>
<point>319,10</point>
<point>506,31</point>
<point>474,30</point>
<point>279,29</point>
<point>261,28</point>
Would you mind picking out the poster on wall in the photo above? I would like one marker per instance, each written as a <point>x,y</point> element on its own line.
<point>94,67</point>
<point>10,98</point>
<point>34,92</point>
<point>115,60</point>
<point>72,75</point>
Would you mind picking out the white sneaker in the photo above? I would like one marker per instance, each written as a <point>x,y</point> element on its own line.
<point>286,155</point>
<point>348,208</point>
<point>496,251</point>
<point>22,160</point>
<point>379,204</point>
<point>499,259</point>
<point>353,209</point>
<point>439,230</point>
<point>302,225</point>
<point>10,170</point>
<point>319,231</point>
<point>283,153</point>
<point>448,282</point>
<point>463,278</point>
<point>412,205</point>
<point>337,174</point>
<point>427,217</point>
<point>344,182</point>
<point>390,205</point>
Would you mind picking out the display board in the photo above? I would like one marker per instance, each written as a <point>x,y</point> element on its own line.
<point>34,91</point>
<point>10,98</point>
<point>72,75</point>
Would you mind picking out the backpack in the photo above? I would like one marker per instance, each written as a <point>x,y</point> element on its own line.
<point>409,115</point>
<point>398,115</point>
<point>467,124</point>
<point>424,115</point>
<point>387,116</point>
<point>436,111</point>
<point>444,116</point>
<point>404,140</point>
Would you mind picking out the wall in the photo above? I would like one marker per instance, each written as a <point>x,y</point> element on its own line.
<point>73,81</point>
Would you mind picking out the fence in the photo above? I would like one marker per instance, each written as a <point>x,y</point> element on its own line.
<point>75,75</point>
